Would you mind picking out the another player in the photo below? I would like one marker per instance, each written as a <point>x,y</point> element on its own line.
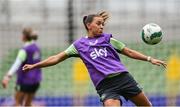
<point>27,82</point>
<point>99,52</point>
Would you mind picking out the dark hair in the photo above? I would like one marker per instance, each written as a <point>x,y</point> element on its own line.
<point>29,34</point>
<point>89,18</point>
<point>34,36</point>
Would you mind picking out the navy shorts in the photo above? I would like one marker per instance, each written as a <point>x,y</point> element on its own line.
<point>122,84</point>
<point>27,88</point>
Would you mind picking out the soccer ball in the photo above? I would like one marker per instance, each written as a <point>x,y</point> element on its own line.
<point>151,33</point>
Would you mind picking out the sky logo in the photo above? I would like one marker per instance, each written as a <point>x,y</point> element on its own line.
<point>98,53</point>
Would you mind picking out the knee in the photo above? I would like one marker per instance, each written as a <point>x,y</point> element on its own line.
<point>111,102</point>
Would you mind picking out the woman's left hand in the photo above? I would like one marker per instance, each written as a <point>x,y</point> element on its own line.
<point>158,62</point>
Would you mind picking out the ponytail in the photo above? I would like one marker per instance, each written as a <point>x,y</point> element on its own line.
<point>29,34</point>
<point>84,22</point>
<point>34,36</point>
<point>89,19</point>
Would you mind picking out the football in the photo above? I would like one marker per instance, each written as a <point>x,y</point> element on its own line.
<point>151,34</point>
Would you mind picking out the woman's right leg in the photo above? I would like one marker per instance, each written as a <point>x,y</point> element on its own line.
<point>19,96</point>
<point>141,100</point>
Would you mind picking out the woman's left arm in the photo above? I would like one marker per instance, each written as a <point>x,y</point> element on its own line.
<point>137,55</point>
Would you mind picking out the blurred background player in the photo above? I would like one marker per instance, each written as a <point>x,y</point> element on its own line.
<point>99,53</point>
<point>27,83</point>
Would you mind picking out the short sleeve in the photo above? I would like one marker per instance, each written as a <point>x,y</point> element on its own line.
<point>117,44</point>
<point>71,51</point>
<point>22,55</point>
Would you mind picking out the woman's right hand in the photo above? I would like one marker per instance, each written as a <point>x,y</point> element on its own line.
<point>5,81</point>
<point>27,67</point>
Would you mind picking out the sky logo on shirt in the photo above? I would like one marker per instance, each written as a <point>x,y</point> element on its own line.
<point>98,53</point>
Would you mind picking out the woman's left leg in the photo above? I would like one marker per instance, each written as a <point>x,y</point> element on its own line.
<point>28,99</point>
<point>140,100</point>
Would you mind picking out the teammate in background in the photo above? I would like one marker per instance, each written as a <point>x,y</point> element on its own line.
<point>27,83</point>
<point>99,52</point>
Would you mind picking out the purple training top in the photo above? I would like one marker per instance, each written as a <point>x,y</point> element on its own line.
<point>99,56</point>
<point>33,76</point>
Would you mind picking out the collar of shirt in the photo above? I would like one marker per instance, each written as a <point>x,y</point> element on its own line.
<point>28,43</point>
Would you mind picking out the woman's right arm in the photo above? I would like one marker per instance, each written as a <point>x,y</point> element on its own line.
<point>52,60</point>
<point>21,57</point>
